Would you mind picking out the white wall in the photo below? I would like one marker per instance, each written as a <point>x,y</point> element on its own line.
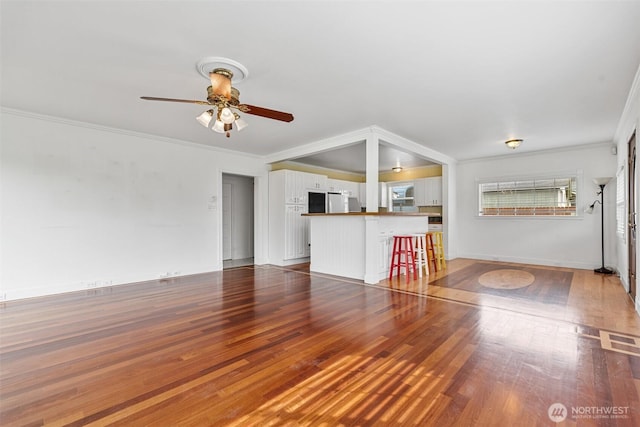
<point>85,206</point>
<point>567,242</point>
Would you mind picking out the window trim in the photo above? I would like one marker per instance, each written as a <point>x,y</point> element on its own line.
<point>578,174</point>
<point>621,213</point>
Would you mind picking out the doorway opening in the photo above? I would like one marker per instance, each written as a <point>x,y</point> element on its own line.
<point>631,227</point>
<point>237,220</point>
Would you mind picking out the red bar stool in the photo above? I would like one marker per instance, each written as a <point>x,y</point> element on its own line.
<point>403,246</point>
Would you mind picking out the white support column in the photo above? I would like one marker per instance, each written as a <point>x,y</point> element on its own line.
<point>449,210</point>
<point>372,144</point>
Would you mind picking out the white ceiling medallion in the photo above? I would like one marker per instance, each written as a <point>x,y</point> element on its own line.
<point>208,64</point>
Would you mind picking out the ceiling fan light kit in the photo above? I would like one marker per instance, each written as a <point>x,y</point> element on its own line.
<point>226,116</point>
<point>223,97</point>
<point>205,118</point>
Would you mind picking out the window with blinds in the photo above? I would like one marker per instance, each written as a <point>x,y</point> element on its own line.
<point>528,197</point>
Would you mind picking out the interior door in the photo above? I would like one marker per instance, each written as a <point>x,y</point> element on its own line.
<point>227,215</point>
<point>631,230</point>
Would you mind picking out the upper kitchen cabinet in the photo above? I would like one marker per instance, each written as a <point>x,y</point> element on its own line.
<point>313,181</point>
<point>428,191</point>
<point>294,191</point>
<point>349,188</point>
<point>297,184</point>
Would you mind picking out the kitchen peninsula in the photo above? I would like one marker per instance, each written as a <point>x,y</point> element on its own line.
<point>358,245</point>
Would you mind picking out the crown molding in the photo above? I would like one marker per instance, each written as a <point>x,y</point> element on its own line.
<point>628,120</point>
<point>607,144</point>
<point>101,128</point>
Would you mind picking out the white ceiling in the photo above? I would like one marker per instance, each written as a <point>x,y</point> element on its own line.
<point>457,77</point>
<point>352,158</point>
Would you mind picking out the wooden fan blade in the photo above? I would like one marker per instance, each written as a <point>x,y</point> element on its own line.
<point>265,112</point>
<point>188,101</point>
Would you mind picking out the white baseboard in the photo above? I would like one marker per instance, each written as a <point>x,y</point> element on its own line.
<point>96,287</point>
<point>284,263</point>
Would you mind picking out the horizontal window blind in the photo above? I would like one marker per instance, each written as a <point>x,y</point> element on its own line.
<point>530,197</point>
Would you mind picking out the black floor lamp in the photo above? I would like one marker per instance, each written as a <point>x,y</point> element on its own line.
<point>601,182</point>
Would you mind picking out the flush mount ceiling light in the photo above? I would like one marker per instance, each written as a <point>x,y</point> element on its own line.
<point>513,143</point>
<point>224,98</point>
<point>396,169</point>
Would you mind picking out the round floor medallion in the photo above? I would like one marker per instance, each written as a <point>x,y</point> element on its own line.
<point>506,279</point>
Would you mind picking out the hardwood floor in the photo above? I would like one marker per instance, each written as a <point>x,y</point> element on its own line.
<point>481,343</point>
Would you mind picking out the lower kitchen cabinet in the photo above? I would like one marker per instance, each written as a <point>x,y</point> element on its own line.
<point>296,233</point>
<point>288,229</point>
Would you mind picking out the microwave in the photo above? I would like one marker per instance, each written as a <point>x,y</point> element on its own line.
<point>317,202</point>
<point>435,219</point>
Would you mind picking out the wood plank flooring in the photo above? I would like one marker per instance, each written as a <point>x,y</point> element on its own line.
<point>261,346</point>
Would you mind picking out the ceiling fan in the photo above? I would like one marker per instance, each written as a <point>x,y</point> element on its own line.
<point>225,99</point>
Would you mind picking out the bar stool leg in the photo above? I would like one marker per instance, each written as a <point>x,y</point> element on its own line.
<point>413,259</point>
<point>431,254</point>
<point>418,251</point>
<point>423,242</point>
<point>410,262</point>
<point>439,250</point>
<point>394,263</point>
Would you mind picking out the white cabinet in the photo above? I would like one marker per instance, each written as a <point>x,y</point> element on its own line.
<point>312,181</point>
<point>433,194</point>
<point>296,232</point>
<point>288,229</point>
<point>428,191</point>
<point>332,185</point>
<point>352,189</point>
<point>297,184</point>
<point>362,194</point>
<point>349,188</point>
<point>294,191</point>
